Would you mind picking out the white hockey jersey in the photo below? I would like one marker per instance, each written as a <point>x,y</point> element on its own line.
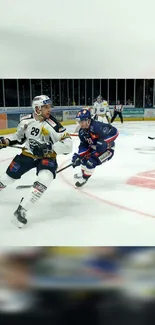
<point>32,130</point>
<point>100,108</point>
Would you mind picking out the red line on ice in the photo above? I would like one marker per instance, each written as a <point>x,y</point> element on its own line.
<point>6,159</point>
<point>96,197</point>
<point>119,206</point>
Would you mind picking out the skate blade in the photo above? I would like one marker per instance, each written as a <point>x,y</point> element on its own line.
<point>78,184</point>
<point>17,223</point>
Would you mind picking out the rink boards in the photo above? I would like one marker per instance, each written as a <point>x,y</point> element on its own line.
<point>9,117</point>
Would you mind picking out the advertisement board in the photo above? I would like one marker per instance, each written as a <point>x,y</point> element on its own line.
<point>149,112</point>
<point>17,109</point>
<point>10,117</point>
<point>133,112</point>
<point>70,115</point>
<point>13,120</point>
<point>58,115</point>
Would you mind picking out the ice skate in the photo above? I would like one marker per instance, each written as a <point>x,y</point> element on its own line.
<point>81,181</point>
<point>19,219</point>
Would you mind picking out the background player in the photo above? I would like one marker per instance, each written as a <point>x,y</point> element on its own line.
<point>101,107</point>
<point>96,145</point>
<point>42,144</point>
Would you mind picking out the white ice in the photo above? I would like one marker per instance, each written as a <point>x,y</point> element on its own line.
<point>107,211</point>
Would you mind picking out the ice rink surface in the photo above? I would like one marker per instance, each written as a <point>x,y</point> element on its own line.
<point>115,207</point>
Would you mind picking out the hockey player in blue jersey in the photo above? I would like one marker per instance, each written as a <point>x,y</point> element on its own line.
<point>96,145</point>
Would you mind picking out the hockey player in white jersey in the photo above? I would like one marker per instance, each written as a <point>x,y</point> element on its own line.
<point>101,107</point>
<point>42,144</point>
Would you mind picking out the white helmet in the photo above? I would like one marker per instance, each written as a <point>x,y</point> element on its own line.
<point>99,98</point>
<point>39,101</point>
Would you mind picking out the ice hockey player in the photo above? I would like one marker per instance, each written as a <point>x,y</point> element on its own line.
<point>96,145</point>
<point>101,107</point>
<point>118,109</point>
<point>42,144</point>
<point>93,116</point>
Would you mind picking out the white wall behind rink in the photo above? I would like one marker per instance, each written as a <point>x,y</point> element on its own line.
<point>77,39</point>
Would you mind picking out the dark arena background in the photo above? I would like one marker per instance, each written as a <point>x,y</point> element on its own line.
<point>136,95</point>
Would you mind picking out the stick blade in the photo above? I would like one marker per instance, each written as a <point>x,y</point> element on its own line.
<point>151,138</point>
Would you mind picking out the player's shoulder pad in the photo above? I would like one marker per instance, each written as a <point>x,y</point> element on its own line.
<point>100,128</point>
<point>94,126</point>
<point>51,122</point>
<point>24,122</point>
<point>25,117</point>
<point>105,128</point>
<point>56,125</point>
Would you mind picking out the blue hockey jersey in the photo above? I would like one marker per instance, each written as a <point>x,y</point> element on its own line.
<point>97,131</point>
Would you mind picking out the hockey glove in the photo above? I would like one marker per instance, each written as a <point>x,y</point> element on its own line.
<point>76,160</point>
<point>2,143</point>
<point>40,150</point>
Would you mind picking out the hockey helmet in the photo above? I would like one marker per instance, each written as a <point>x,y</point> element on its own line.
<point>83,115</point>
<point>40,101</point>
<point>99,98</point>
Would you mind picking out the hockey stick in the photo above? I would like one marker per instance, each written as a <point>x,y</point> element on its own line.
<point>151,138</point>
<point>13,146</point>
<point>29,186</point>
<point>73,134</point>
